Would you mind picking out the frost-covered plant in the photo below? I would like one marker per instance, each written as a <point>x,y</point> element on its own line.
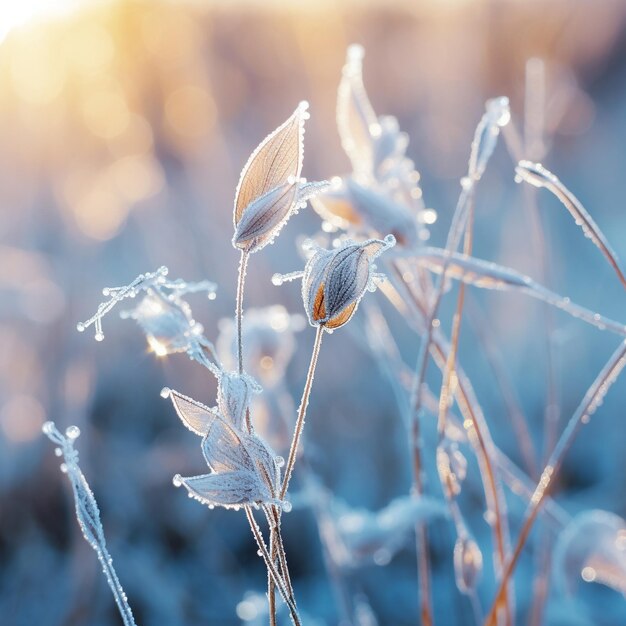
<point>244,472</point>
<point>378,204</point>
<point>87,512</point>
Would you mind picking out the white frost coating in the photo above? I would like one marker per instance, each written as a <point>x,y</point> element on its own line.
<point>375,536</point>
<point>165,317</point>
<point>87,512</point>
<point>468,564</point>
<point>377,151</point>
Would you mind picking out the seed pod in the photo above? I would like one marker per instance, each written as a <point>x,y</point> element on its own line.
<point>334,281</point>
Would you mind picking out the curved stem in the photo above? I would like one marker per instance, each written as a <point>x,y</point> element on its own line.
<point>590,402</point>
<point>297,433</point>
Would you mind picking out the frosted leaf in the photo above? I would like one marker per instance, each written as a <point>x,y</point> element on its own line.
<point>334,281</point>
<point>88,513</point>
<point>390,144</point>
<point>496,115</point>
<point>452,467</point>
<point>468,564</point>
<point>226,489</point>
<point>231,454</point>
<point>538,176</point>
<point>489,275</point>
<point>233,396</point>
<point>265,216</point>
<point>269,186</point>
<point>355,116</point>
<point>592,548</point>
<point>194,415</point>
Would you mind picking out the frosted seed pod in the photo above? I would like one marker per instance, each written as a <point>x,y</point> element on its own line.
<point>335,281</point>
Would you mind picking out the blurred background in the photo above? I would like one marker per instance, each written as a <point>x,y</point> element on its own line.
<point>124,125</point>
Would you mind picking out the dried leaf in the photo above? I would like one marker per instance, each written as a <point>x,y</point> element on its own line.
<point>355,115</point>
<point>276,160</point>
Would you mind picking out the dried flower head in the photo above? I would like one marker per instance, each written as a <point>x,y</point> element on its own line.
<point>382,194</point>
<point>270,189</point>
<point>244,470</point>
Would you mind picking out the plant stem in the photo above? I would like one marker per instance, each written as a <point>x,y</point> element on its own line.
<point>297,433</point>
<point>241,279</point>
<point>475,424</point>
<point>271,567</point>
<point>590,402</point>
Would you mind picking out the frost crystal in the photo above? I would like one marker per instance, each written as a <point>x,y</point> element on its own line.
<point>87,512</point>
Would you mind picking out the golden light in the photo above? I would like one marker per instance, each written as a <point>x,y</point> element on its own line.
<point>16,14</point>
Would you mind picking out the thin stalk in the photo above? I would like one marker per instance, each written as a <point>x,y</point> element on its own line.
<point>450,371</point>
<point>241,279</point>
<point>297,433</point>
<point>590,402</point>
<point>421,531</point>
<point>271,567</point>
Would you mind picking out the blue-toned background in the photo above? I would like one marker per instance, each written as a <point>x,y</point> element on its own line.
<point>123,129</point>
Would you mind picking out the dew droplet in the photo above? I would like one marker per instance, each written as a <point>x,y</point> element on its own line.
<point>80,327</point>
<point>58,451</point>
<point>280,461</point>
<point>99,336</point>
<point>286,506</point>
<point>72,432</point>
<point>177,481</point>
<point>165,392</point>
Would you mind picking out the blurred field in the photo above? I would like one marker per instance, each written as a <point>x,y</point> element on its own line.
<point>124,125</point>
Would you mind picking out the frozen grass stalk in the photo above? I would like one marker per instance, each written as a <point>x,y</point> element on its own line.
<point>87,512</point>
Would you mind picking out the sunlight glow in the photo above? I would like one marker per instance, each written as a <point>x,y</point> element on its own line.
<point>16,14</point>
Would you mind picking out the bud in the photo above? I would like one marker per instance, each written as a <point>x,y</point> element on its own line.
<point>270,189</point>
<point>334,281</point>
